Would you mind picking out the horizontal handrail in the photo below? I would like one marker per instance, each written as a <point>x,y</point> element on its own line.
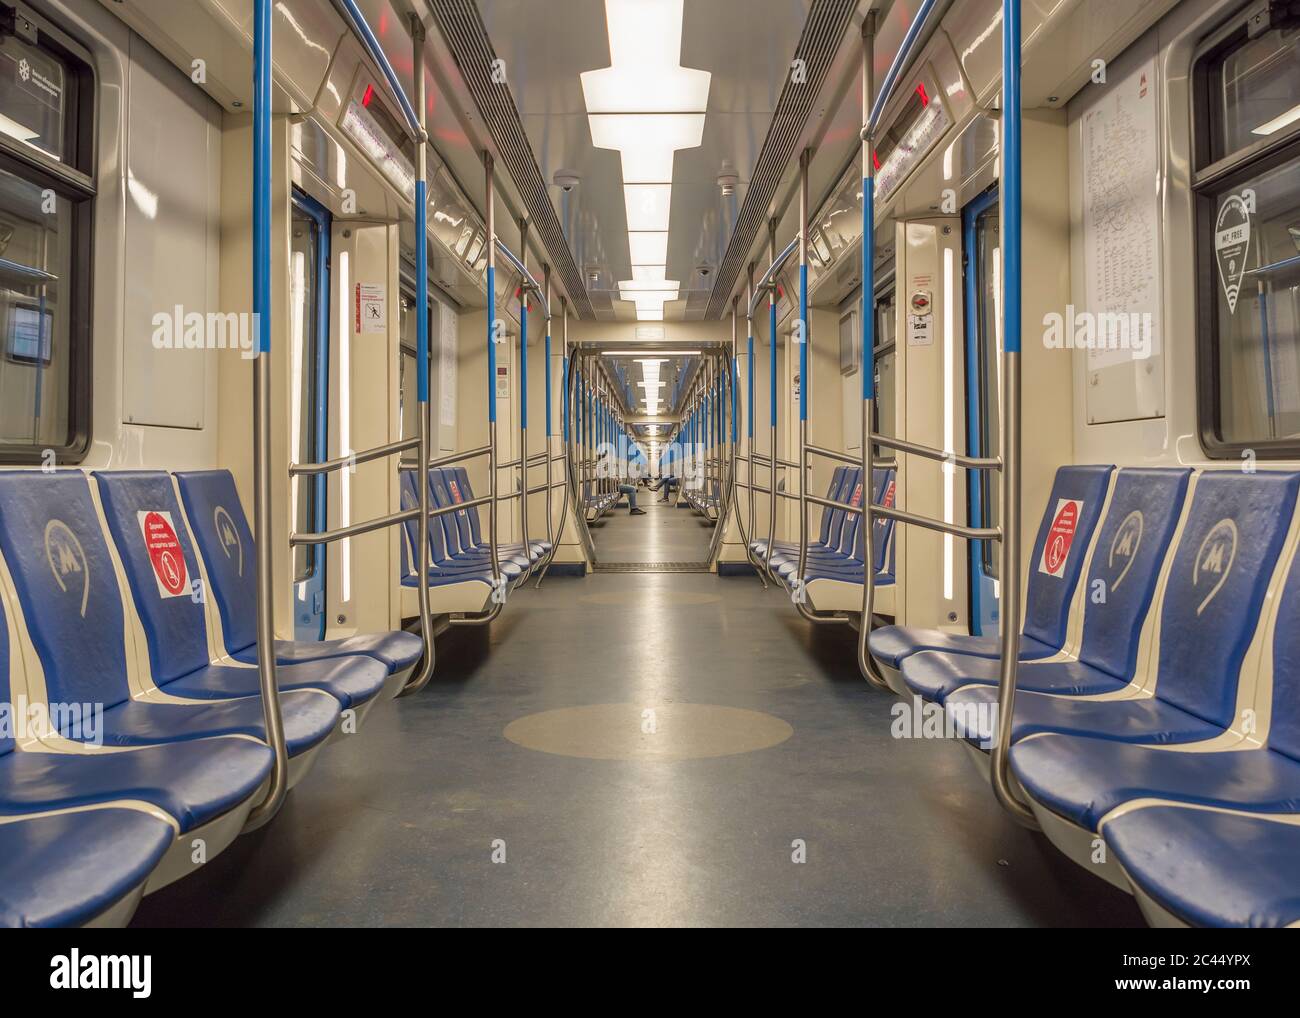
<point>831,454</point>
<point>939,455</point>
<point>523,270</point>
<point>772,270</point>
<point>379,523</point>
<point>956,529</point>
<point>352,14</point>
<point>446,461</point>
<point>352,459</point>
<point>901,59</point>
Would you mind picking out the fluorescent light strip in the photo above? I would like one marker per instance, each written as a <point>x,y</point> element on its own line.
<point>345,426</point>
<point>1277,123</point>
<point>949,434</point>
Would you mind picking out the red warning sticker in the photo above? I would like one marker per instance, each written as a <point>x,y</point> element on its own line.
<point>1056,550</point>
<point>888,500</point>
<point>455,493</point>
<point>856,500</point>
<point>165,553</point>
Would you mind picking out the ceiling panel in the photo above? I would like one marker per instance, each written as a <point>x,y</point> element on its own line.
<point>745,45</point>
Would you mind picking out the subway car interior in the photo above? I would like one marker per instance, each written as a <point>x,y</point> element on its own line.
<point>649,463</point>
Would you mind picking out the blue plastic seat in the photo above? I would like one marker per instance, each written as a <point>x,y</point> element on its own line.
<point>1132,543</point>
<point>1049,592</point>
<point>1208,868</point>
<point>146,525</point>
<point>225,541</point>
<point>443,568</point>
<point>1230,543</point>
<point>461,491</point>
<point>72,869</point>
<point>1083,778</point>
<point>63,572</point>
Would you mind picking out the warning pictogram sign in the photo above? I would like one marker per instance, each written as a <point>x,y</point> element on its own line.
<point>165,554</point>
<point>1056,549</point>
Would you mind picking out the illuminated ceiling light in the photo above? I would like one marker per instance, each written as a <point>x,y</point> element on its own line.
<point>650,353</point>
<point>648,248</point>
<point>647,206</point>
<point>646,105</point>
<point>1277,123</point>
<point>647,273</point>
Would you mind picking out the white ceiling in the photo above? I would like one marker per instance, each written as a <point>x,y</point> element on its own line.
<point>746,45</point>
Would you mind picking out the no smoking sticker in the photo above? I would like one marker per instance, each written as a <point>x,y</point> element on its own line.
<point>1056,550</point>
<point>165,553</point>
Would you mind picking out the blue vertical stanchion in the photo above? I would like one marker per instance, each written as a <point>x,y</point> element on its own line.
<point>491,340</point>
<point>523,366</point>
<point>803,346</point>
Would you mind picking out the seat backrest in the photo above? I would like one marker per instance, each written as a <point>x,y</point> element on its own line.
<point>54,544</point>
<point>445,487</point>
<point>1284,726</point>
<point>466,494</point>
<point>846,541</point>
<point>1131,546</point>
<point>883,529</point>
<point>833,519</point>
<point>1222,567</point>
<point>1056,562</point>
<point>146,525</point>
<point>437,535</point>
<point>225,541</point>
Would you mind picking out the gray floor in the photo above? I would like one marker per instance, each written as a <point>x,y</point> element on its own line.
<point>663,534</point>
<point>399,825</point>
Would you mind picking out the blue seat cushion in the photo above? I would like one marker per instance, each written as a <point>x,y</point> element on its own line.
<point>890,644</point>
<point>1211,869</point>
<point>934,675</point>
<point>352,681</point>
<point>1083,779</point>
<point>309,718</point>
<point>66,869</point>
<point>1146,720</point>
<point>396,650</point>
<point>194,781</point>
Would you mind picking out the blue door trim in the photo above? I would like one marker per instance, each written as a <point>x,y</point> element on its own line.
<point>983,603</point>
<point>312,590</point>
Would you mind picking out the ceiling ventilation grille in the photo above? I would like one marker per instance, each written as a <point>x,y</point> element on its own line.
<point>462,27</point>
<point>827,22</point>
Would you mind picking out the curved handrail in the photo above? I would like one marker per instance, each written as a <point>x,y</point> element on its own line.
<point>357,22</point>
<point>777,262</point>
<point>531,281</point>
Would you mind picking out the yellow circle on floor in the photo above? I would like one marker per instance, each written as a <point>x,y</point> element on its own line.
<point>662,731</point>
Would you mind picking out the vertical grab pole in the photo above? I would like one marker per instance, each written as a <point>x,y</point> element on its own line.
<point>268,683</point>
<point>1009,189</point>
<point>771,339</point>
<point>421,679</point>
<point>805,340</point>
<point>749,421</point>
<point>550,523</point>
<point>492,336</point>
<point>523,402</point>
<point>867,363</point>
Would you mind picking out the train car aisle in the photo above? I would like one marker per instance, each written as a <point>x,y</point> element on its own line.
<point>642,749</point>
<point>664,534</point>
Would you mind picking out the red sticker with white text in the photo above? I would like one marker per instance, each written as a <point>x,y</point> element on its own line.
<point>888,500</point>
<point>856,500</point>
<point>1056,550</point>
<point>165,553</point>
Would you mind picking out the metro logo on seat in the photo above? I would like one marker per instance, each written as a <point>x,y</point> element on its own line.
<point>165,554</point>
<point>1056,549</point>
<point>1214,559</point>
<point>67,559</point>
<point>231,545</point>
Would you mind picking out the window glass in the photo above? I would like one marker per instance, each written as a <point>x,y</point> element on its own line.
<point>36,257</point>
<point>1256,92</point>
<point>33,94</point>
<point>1257,308</point>
<point>989,336</point>
<point>305,347</point>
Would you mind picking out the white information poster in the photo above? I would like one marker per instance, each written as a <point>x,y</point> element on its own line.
<point>447,351</point>
<point>371,308</point>
<point>1122,256</point>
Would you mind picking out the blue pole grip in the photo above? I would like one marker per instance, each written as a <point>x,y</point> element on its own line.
<point>421,292</point>
<point>1011,133</point>
<point>564,398</point>
<point>749,409</point>
<point>771,335</point>
<point>491,340</point>
<point>262,173</point>
<point>803,347</point>
<point>549,430</point>
<point>735,403</point>
<point>523,362</point>
<point>868,367</point>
